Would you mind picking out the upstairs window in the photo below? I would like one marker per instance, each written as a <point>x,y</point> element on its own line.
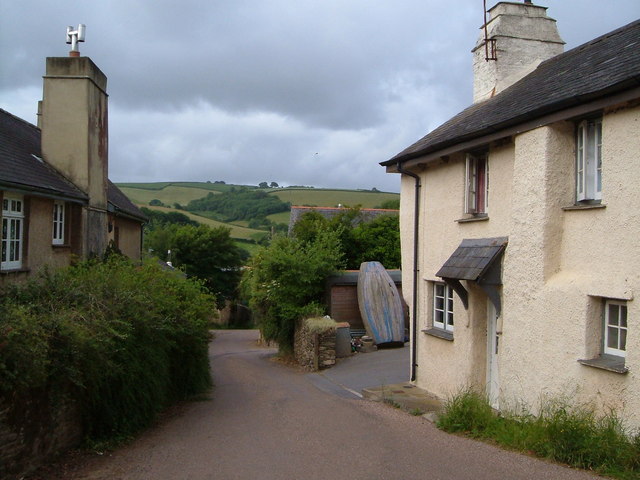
<point>615,328</point>
<point>443,306</point>
<point>12,232</point>
<point>589,160</point>
<point>58,223</point>
<point>477,184</point>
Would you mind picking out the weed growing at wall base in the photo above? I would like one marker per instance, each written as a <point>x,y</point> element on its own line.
<point>123,340</point>
<point>574,435</point>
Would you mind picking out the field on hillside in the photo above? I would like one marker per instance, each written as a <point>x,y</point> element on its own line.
<point>170,193</point>
<point>243,233</point>
<point>331,198</point>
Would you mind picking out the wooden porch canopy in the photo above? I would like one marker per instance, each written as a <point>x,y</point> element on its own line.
<point>476,260</point>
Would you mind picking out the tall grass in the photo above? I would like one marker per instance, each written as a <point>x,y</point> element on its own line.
<point>566,433</point>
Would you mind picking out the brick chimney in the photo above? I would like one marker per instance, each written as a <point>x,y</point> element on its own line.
<point>520,36</point>
<point>75,137</point>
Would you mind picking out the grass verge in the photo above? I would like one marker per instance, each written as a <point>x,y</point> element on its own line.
<point>570,434</point>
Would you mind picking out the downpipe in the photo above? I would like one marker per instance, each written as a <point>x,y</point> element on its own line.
<point>414,307</point>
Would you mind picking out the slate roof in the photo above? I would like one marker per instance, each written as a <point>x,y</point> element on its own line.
<point>472,258</point>
<point>122,204</point>
<point>22,167</point>
<point>606,65</point>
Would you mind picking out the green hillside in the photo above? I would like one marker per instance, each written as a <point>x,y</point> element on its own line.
<point>170,193</point>
<point>317,197</point>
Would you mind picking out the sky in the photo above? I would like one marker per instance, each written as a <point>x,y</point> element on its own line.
<point>303,92</point>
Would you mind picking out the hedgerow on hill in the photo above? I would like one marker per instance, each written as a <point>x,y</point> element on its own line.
<point>124,340</point>
<point>239,204</point>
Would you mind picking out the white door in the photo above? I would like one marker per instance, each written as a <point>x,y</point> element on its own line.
<point>493,347</point>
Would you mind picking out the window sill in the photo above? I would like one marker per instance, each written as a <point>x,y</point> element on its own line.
<point>480,217</point>
<point>60,245</point>
<point>586,206</point>
<point>610,363</point>
<point>439,333</point>
<point>14,270</point>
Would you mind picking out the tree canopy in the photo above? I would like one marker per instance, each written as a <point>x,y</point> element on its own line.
<point>285,282</point>
<point>240,204</point>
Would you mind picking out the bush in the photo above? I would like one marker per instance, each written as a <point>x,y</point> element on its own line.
<point>285,282</point>
<point>124,340</point>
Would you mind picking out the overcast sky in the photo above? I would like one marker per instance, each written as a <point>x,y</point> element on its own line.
<point>300,92</point>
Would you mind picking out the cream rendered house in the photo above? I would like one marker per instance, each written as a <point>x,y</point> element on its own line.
<point>520,221</point>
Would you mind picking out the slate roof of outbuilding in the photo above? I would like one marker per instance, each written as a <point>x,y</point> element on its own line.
<point>22,167</point>
<point>606,65</point>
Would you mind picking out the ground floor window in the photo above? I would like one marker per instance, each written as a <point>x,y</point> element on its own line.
<point>615,328</point>
<point>12,232</point>
<point>443,306</point>
<point>58,223</point>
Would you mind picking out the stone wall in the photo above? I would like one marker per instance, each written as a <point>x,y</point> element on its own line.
<point>34,429</point>
<point>314,348</point>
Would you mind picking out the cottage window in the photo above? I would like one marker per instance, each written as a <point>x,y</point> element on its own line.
<point>615,328</point>
<point>443,306</point>
<point>12,232</point>
<point>477,184</point>
<point>58,223</point>
<point>589,160</point>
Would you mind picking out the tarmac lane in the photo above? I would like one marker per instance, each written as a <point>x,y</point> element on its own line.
<point>269,421</point>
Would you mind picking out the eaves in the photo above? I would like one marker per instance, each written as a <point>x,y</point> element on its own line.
<point>569,108</point>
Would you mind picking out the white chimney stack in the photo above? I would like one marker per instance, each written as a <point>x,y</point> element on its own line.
<point>520,36</point>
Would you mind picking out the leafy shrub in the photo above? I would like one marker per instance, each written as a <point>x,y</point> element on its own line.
<point>124,340</point>
<point>285,282</point>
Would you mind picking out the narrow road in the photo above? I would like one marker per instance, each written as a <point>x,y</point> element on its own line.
<point>268,421</point>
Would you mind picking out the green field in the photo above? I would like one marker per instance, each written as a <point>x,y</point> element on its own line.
<point>170,193</point>
<point>243,233</point>
<point>331,198</point>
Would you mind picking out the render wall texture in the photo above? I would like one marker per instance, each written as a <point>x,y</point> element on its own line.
<point>558,268</point>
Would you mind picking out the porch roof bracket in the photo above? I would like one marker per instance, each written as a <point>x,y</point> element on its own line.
<point>460,290</point>
<point>493,293</point>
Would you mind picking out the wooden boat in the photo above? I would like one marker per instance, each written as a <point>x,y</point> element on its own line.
<point>380,305</point>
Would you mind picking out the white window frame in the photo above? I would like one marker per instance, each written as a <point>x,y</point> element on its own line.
<point>58,223</point>
<point>589,160</point>
<point>476,193</point>
<point>442,306</point>
<point>12,236</point>
<point>615,328</point>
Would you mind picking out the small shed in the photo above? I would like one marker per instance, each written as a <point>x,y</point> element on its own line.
<point>342,297</point>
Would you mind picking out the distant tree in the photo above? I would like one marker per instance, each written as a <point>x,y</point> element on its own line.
<point>393,204</point>
<point>221,182</point>
<point>360,241</point>
<point>377,240</point>
<point>157,218</point>
<point>177,206</point>
<point>274,185</point>
<point>156,203</point>
<point>374,189</point>
<point>240,204</point>
<point>263,185</point>
<point>309,226</point>
<point>211,255</point>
